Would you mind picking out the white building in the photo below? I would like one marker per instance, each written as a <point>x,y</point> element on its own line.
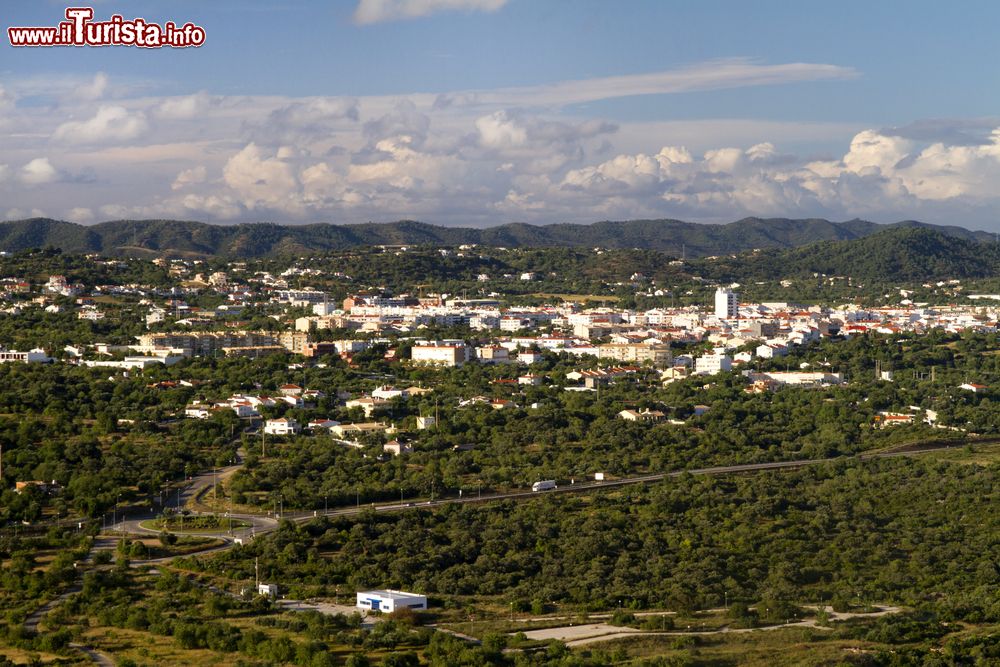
<point>197,412</point>
<point>396,448</point>
<point>710,364</point>
<point>726,304</point>
<point>36,355</point>
<point>442,353</point>
<point>389,601</point>
<point>281,427</point>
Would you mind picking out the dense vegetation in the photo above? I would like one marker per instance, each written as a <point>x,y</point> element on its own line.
<point>177,238</point>
<point>849,533</point>
<point>915,532</point>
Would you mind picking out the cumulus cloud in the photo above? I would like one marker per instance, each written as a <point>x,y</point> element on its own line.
<point>260,180</point>
<point>184,107</point>
<point>94,89</point>
<point>109,124</point>
<point>307,122</point>
<point>38,172</point>
<point>487,157</point>
<point>377,11</point>
<point>189,177</point>
<point>404,120</point>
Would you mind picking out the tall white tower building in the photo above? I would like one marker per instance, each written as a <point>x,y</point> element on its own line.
<point>726,304</point>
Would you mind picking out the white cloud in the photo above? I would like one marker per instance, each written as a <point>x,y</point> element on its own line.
<point>189,177</point>
<point>376,11</point>
<point>109,124</point>
<point>38,172</point>
<point>184,107</point>
<point>307,122</point>
<point>260,180</point>
<point>711,75</point>
<point>80,215</point>
<point>92,90</point>
<point>7,98</point>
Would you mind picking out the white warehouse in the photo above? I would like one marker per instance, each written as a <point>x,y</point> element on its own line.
<point>389,601</point>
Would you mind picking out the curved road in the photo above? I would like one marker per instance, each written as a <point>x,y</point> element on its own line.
<point>264,524</point>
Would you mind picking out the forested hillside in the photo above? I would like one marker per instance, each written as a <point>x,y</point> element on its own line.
<point>196,239</point>
<point>894,254</point>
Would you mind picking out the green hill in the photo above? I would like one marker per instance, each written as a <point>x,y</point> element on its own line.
<point>904,253</point>
<point>196,239</point>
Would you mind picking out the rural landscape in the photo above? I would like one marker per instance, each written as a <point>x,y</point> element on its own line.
<point>499,333</point>
<point>205,458</point>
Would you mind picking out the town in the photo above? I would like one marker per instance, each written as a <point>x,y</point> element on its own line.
<point>228,407</point>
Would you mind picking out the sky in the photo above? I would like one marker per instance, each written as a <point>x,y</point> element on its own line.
<point>484,112</point>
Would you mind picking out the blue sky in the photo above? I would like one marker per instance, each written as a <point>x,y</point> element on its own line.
<point>479,112</point>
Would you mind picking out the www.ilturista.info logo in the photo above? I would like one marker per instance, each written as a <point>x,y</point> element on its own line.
<point>79,29</point>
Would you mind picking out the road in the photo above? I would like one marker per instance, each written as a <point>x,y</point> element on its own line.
<point>264,524</point>
<point>34,620</point>
<point>580,487</point>
<point>591,633</point>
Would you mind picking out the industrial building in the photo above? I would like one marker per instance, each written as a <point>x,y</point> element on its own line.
<point>389,601</point>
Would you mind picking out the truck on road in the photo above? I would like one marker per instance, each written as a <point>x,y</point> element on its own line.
<point>544,485</point>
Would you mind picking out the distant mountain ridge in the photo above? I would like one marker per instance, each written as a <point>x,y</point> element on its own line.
<point>905,254</point>
<point>149,238</point>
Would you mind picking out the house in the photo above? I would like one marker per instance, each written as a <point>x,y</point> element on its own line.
<point>974,388</point>
<point>197,411</point>
<point>424,423</point>
<point>493,354</point>
<point>396,448</point>
<point>528,357</point>
<point>387,393</point>
<point>243,409</point>
<point>281,426</point>
<point>530,380</point>
<point>322,425</point>
<point>368,404</point>
<point>885,419</point>
<point>642,415</point>
<point>294,401</point>
<point>290,390</point>
<point>268,590</point>
<point>343,430</point>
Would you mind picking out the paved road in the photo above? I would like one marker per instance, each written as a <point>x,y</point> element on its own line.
<point>265,524</point>
<point>625,481</point>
